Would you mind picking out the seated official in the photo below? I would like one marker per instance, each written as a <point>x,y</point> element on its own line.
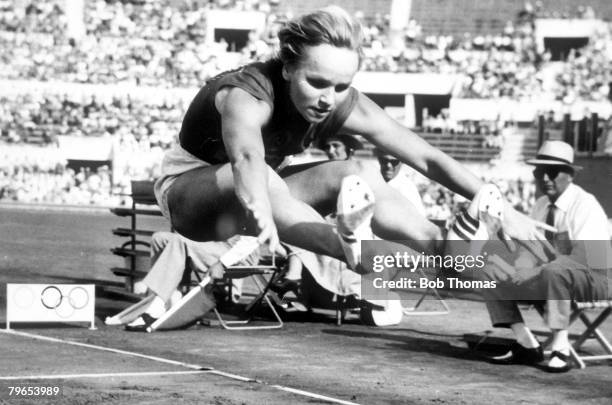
<point>576,272</point>
<point>391,170</point>
<point>171,254</point>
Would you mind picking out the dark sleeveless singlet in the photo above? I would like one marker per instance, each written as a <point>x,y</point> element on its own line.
<point>286,133</point>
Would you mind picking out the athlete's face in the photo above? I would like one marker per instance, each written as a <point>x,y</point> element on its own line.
<point>321,80</point>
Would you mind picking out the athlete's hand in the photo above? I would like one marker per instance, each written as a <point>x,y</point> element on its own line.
<point>526,231</point>
<point>266,228</point>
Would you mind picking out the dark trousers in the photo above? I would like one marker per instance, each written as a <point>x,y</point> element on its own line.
<point>554,286</point>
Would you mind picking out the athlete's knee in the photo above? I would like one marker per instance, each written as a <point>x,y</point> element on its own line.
<point>362,168</point>
<point>367,170</point>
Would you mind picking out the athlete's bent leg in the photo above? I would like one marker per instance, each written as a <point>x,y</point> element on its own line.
<point>201,199</point>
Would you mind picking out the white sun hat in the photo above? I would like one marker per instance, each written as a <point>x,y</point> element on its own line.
<point>556,153</point>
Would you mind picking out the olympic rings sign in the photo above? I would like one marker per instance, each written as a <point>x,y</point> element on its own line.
<point>50,303</point>
<point>64,305</point>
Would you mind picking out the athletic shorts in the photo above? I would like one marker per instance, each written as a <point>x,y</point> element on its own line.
<point>176,162</point>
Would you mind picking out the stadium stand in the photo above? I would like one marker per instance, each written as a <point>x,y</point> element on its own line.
<point>163,45</point>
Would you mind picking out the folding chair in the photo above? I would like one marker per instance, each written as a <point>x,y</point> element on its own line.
<point>414,310</point>
<point>344,303</point>
<point>262,276</point>
<point>429,291</point>
<point>591,332</point>
<point>592,326</point>
<point>200,298</point>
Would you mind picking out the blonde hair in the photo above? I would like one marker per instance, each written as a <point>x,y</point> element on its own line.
<point>331,25</point>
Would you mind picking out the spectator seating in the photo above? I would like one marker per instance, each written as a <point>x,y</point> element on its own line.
<point>463,147</point>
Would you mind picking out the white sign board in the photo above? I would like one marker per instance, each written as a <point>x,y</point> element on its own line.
<point>97,148</point>
<point>404,83</point>
<point>50,303</point>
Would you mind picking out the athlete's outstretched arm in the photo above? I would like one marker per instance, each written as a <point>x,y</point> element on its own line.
<point>369,120</point>
<point>242,117</point>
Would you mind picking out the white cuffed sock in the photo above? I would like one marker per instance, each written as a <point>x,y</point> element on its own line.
<point>157,307</point>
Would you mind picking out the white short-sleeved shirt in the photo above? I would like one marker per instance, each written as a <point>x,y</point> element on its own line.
<point>406,187</point>
<point>578,213</point>
<point>578,217</point>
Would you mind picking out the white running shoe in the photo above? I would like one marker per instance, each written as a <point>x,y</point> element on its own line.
<point>483,217</point>
<point>355,210</point>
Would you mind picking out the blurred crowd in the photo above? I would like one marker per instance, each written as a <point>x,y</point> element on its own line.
<point>136,132</point>
<point>111,60</point>
<point>34,174</point>
<point>40,175</point>
<point>442,204</point>
<point>163,44</point>
<point>41,118</point>
<point>490,66</point>
<point>41,16</point>
<point>144,43</point>
<point>587,73</point>
<point>537,10</point>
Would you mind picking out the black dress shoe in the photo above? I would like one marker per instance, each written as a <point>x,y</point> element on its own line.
<point>519,354</point>
<point>146,321</point>
<point>283,285</point>
<point>562,369</point>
